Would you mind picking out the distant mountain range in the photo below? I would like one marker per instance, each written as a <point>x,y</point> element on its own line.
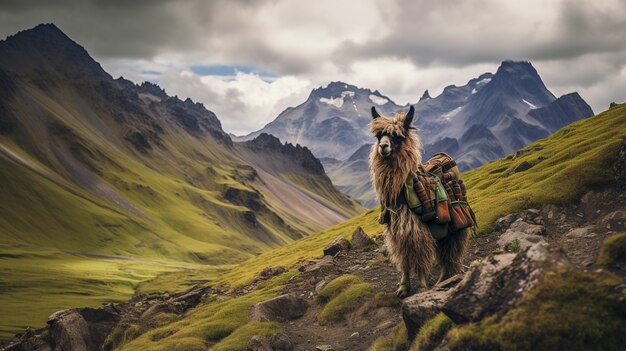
<point>489,117</point>
<point>89,163</point>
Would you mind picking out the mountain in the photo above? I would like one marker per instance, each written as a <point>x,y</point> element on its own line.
<point>489,117</point>
<point>126,180</point>
<point>332,122</point>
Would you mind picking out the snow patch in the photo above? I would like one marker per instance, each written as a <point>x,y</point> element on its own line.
<point>474,91</point>
<point>378,100</point>
<point>483,81</point>
<point>532,107</point>
<point>449,115</point>
<point>338,101</point>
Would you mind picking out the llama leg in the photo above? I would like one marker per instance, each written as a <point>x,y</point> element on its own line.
<point>404,287</point>
<point>451,251</point>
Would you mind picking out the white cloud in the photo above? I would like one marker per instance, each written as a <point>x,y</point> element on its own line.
<point>244,102</point>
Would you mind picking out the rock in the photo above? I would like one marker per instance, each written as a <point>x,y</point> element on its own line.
<point>515,241</point>
<point>503,223</point>
<point>615,221</point>
<point>360,240</point>
<point>355,335</point>
<point>531,229</point>
<point>324,348</point>
<point>619,165</point>
<point>580,233</point>
<point>495,285</point>
<point>323,265</point>
<point>383,249</point>
<point>281,342</point>
<point>339,244</point>
<point>259,343</point>
<point>279,309</point>
<point>320,286</point>
<point>81,328</point>
<point>270,271</point>
<point>524,166</point>
<point>420,308</point>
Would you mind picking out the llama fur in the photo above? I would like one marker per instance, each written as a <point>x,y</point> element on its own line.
<point>411,246</point>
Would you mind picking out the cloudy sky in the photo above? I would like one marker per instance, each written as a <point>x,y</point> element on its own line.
<point>248,60</point>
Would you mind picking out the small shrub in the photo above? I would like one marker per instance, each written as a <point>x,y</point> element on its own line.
<point>514,245</point>
<point>385,300</point>
<point>613,250</point>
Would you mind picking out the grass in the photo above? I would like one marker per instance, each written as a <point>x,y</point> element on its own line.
<point>69,183</point>
<point>48,280</point>
<point>431,334</point>
<point>222,323</point>
<point>569,310</point>
<point>613,251</point>
<point>342,296</point>
<point>566,165</point>
<point>397,340</point>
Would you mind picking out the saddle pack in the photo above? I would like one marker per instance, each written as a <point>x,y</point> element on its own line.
<point>437,194</point>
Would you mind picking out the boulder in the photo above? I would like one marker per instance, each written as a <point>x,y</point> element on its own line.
<point>360,240</point>
<point>503,223</point>
<point>281,342</point>
<point>531,229</point>
<point>322,266</point>
<point>279,309</point>
<point>324,348</point>
<point>270,271</point>
<point>526,235</point>
<point>420,308</point>
<point>339,244</point>
<point>495,285</point>
<point>524,166</point>
<point>615,221</point>
<point>259,343</point>
<point>81,328</point>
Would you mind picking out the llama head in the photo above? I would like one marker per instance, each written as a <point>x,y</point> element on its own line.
<point>394,135</point>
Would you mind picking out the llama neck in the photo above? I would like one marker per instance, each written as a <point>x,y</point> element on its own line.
<point>389,176</point>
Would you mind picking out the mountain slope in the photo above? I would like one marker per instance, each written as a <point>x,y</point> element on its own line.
<point>95,166</point>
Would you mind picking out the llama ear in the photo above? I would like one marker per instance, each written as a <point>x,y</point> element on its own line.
<point>409,118</point>
<point>374,113</point>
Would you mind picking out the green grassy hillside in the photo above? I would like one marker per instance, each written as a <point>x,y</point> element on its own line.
<point>575,159</point>
<point>92,167</point>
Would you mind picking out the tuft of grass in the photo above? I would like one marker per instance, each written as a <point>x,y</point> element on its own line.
<point>568,310</point>
<point>613,250</point>
<point>238,340</point>
<point>342,296</point>
<point>432,333</point>
<point>397,340</point>
<point>514,245</point>
<point>336,286</point>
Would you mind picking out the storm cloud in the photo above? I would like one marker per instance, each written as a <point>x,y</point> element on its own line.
<point>280,49</point>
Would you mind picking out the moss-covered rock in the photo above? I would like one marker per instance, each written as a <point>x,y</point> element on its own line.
<point>613,250</point>
<point>397,340</point>
<point>342,296</point>
<point>432,333</point>
<point>569,310</point>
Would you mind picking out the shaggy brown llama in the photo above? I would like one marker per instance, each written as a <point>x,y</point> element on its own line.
<point>412,248</point>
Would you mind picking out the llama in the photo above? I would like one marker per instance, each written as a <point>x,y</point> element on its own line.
<point>394,157</point>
